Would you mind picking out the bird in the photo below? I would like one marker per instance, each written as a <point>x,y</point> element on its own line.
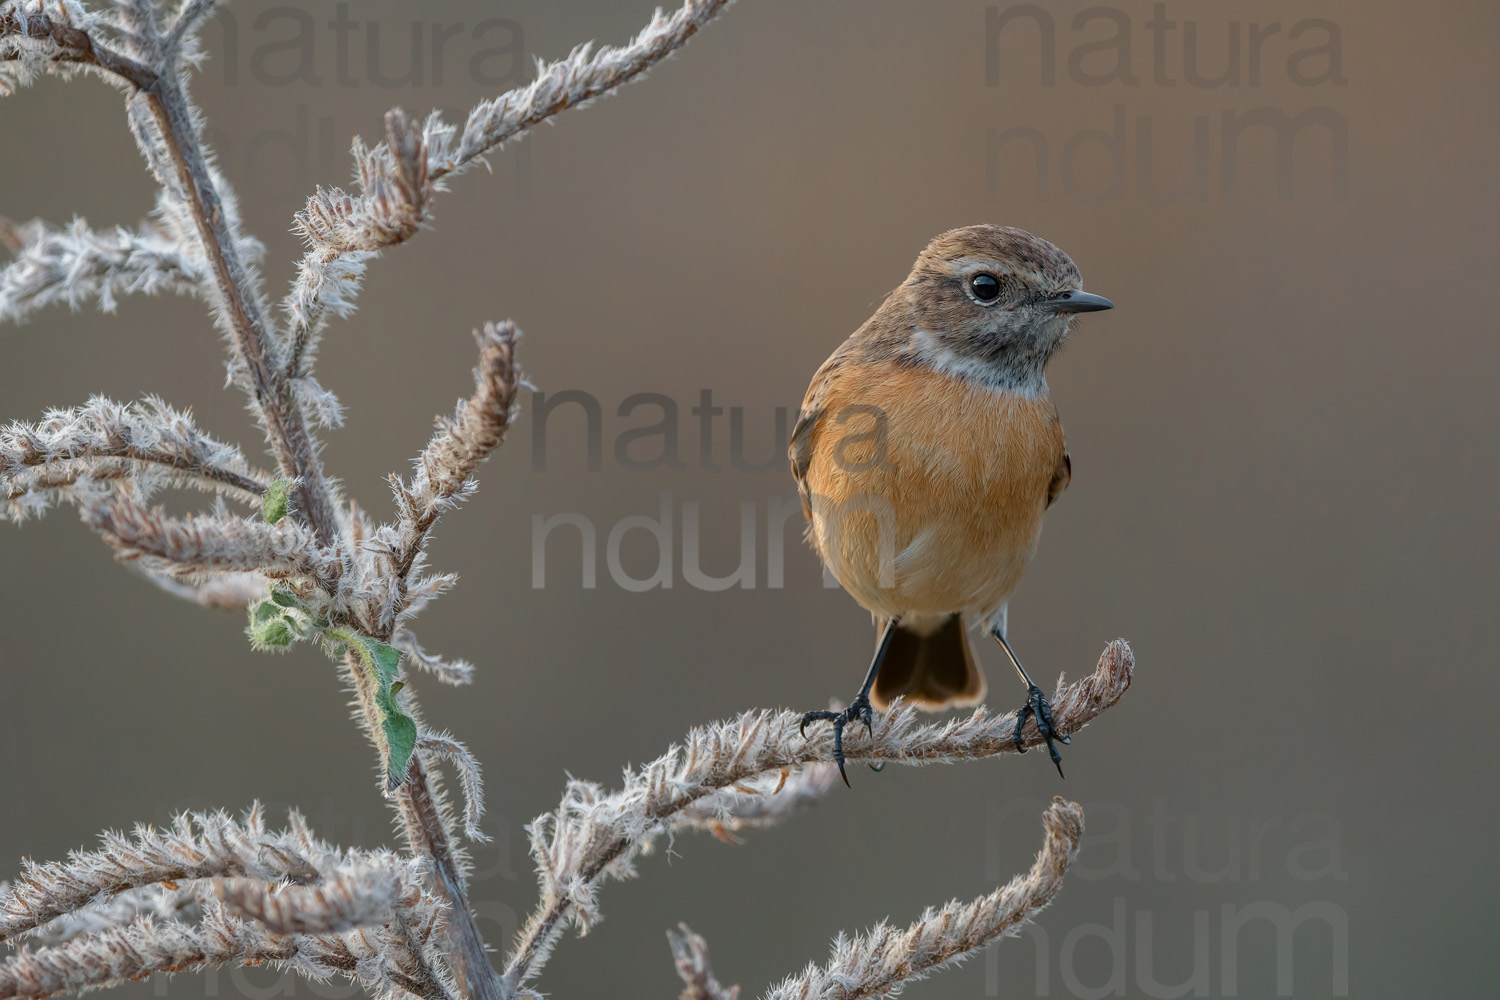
<point>926,451</point>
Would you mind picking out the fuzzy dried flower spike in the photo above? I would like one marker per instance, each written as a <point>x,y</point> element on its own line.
<point>147,444</point>
<point>69,266</point>
<point>385,959</point>
<point>398,179</point>
<point>199,845</point>
<point>879,962</point>
<point>446,465</point>
<point>197,547</point>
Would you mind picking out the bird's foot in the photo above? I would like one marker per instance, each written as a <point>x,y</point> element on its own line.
<point>859,711</point>
<point>1038,706</point>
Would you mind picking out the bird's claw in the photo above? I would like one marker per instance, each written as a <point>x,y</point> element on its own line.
<point>1038,706</point>
<point>859,711</point>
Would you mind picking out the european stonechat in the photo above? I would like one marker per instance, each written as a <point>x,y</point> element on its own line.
<point>925,453</point>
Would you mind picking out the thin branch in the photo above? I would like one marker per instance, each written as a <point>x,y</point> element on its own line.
<point>231,592</point>
<point>173,138</point>
<point>880,962</point>
<point>442,746</point>
<point>690,953</point>
<point>583,75</point>
<point>199,546</point>
<point>149,946</point>
<point>30,492</point>
<point>365,892</point>
<point>58,39</point>
<point>190,17</point>
<point>71,265</point>
<point>427,822</point>
<point>398,179</point>
<point>166,901</point>
<point>593,835</point>
<point>455,672</point>
<point>72,442</point>
<point>196,846</point>
<point>760,802</point>
<point>444,468</point>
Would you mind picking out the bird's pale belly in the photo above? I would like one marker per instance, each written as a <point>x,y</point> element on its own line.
<point>941,510</point>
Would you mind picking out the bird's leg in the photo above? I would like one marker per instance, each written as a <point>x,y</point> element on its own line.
<point>859,709</point>
<point>1036,705</point>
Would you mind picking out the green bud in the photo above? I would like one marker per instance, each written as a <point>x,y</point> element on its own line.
<point>268,629</point>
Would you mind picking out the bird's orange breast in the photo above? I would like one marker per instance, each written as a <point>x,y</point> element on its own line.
<point>927,490</point>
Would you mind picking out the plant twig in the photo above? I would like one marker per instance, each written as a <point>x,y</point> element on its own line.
<point>196,846</point>
<point>690,954</point>
<point>593,834</point>
<point>148,433</point>
<point>285,426</point>
<point>73,44</point>
<point>881,961</point>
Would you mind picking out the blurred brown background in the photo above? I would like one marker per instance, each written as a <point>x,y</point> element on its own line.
<point>1284,488</point>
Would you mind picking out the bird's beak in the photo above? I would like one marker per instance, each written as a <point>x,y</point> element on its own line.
<point>1077,302</point>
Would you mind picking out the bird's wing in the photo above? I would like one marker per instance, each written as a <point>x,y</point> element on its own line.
<point>1061,477</point>
<point>800,451</point>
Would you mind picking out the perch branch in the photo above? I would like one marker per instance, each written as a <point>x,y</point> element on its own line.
<point>592,834</point>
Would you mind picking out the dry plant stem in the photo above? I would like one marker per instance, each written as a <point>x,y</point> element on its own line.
<point>446,466</point>
<point>690,954</point>
<point>80,48</point>
<point>429,836</point>
<point>149,946</point>
<point>287,430</point>
<point>196,846</point>
<point>688,19</point>
<point>879,962</point>
<point>285,426</point>
<point>769,742</point>
<point>68,472</point>
<point>247,484</point>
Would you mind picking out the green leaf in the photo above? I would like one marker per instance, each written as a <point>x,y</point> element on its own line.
<point>381,662</point>
<point>274,633</point>
<point>273,506</point>
<point>285,598</point>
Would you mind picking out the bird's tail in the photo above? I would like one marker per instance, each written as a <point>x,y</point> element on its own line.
<point>930,664</point>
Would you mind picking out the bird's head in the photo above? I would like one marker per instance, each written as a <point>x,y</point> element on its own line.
<point>993,303</point>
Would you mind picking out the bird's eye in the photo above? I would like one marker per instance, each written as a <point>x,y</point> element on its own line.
<point>986,287</point>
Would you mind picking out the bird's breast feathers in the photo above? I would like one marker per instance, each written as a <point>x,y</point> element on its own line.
<point>925,491</point>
